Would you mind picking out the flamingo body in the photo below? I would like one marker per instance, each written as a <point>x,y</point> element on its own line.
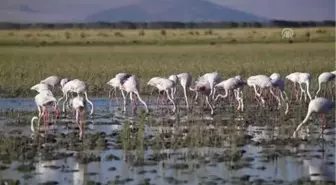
<point>185,81</point>
<point>203,86</point>
<point>318,105</point>
<point>324,78</point>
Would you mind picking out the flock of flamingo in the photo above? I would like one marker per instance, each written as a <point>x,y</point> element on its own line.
<point>75,92</point>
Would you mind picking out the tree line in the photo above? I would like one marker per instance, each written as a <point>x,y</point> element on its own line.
<point>168,25</point>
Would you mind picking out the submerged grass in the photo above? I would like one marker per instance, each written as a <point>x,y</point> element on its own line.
<point>161,37</point>
<point>23,67</point>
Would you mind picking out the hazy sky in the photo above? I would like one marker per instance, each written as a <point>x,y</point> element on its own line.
<point>78,10</point>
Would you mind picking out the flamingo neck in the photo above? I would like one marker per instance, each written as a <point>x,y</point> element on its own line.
<point>32,123</point>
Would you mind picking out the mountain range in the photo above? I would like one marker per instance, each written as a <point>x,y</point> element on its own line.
<point>165,10</point>
<point>173,10</point>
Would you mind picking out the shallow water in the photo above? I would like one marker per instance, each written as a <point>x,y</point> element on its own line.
<point>267,155</point>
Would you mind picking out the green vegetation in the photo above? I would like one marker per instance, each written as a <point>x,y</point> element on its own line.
<point>42,37</point>
<point>22,67</point>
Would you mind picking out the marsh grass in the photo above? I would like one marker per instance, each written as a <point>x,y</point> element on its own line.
<point>165,36</point>
<point>23,67</point>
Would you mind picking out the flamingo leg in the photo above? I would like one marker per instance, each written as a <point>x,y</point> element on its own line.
<point>236,94</point>
<point>78,122</point>
<point>257,95</point>
<point>131,98</point>
<point>242,100</point>
<point>276,97</point>
<point>110,93</point>
<point>123,95</point>
<point>323,123</point>
<point>186,96</point>
<point>171,100</point>
<point>81,123</point>
<point>207,101</point>
<point>296,92</point>
<point>159,99</point>
<point>44,119</point>
<point>64,102</point>
<point>116,97</point>
<point>261,98</point>
<point>135,104</point>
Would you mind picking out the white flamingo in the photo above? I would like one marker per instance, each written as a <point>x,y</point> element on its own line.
<point>163,84</point>
<point>78,105</point>
<point>203,86</point>
<point>78,87</point>
<point>173,78</point>
<point>261,81</point>
<point>305,78</point>
<point>116,82</point>
<point>232,84</point>
<point>213,78</point>
<point>279,84</point>
<point>318,105</point>
<point>185,81</point>
<point>43,101</point>
<point>152,82</point>
<point>324,78</point>
<point>294,78</point>
<point>131,85</point>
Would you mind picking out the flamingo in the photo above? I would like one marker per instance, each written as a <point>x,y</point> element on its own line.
<point>294,78</point>
<point>232,84</point>
<point>53,81</point>
<point>278,83</point>
<point>305,78</point>
<point>78,105</point>
<point>213,78</point>
<point>43,101</point>
<point>261,81</point>
<point>173,78</point>
<point>131,85</point>
<point>204,87</point>
<point>152,82</point>
<point>76,86</point>
<point>318,105</point>
<point>324,78</point>
<point>163,84</point>
<point>185,81</point>
<point>116,82</point>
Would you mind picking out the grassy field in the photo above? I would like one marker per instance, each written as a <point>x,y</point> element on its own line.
<point>21,67</point>
<point>40,37</point>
